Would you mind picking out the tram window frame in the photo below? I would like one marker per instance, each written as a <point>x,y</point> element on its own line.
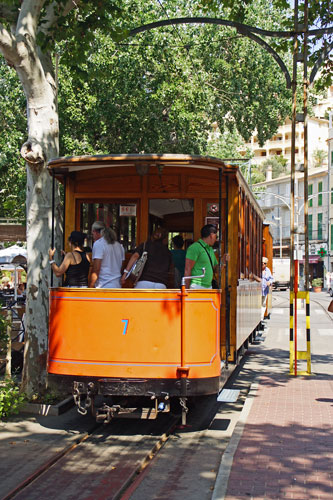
<point>129,247</point>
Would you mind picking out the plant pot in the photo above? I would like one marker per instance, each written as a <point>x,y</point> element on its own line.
<point>317,289</point>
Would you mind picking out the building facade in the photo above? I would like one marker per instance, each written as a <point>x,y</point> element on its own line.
<point>280,143</point>
<point>274,198</point>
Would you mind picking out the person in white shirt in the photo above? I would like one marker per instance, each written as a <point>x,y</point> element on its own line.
<point>107,256</point>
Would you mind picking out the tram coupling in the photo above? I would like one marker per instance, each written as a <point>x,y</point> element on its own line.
<point>84,397</point>
<point>86,392</point>
<point>106,413</point>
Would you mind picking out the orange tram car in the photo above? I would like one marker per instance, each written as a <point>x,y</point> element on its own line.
<point>130,351</point>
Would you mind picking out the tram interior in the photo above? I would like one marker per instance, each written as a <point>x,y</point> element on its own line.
<point>176,215</point>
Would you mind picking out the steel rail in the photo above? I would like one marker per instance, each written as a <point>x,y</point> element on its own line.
<point>157,446</point>
<point>45,467</point>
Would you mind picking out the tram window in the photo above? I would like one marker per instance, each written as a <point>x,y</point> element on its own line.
<point>120,216</point>
<point>176,215</point>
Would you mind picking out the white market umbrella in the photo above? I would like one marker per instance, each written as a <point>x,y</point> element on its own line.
<point>8,254</point>
<point>13,256</point>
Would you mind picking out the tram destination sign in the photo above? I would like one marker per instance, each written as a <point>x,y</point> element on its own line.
<point>128,210</point>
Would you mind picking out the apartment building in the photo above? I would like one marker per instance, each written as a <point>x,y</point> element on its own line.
<point>280,143</point>
<point>275,196</point>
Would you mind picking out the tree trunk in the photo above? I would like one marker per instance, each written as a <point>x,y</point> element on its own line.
<point>42,144</point>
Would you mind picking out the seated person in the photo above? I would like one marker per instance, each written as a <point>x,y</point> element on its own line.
<point>155,273</point>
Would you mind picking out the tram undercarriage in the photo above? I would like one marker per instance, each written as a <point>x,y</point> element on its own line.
<point>138,398</point>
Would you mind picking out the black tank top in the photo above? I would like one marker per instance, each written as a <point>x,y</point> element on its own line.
<point>77,274</point>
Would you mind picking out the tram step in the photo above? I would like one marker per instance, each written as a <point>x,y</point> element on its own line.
<point>228,396</point>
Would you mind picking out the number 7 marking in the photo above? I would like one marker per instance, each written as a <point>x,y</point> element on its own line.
<point>125,325</point>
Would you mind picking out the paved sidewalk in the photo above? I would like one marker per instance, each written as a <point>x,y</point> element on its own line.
<point>282,447</point>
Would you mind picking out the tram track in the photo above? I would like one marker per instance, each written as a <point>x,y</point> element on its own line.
<point>48,464</point>
<point>278,301</point>
<point>102,463</point>
<point>323,307</point>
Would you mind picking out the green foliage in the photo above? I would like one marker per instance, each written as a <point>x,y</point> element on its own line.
<point>317,282</point>
<point>224,145</point>
<point>48,397</point>
<point>159,91</point>
<point>318,156</point>
<point>3,334</point>
<point>13,131</point>
<point>319,16</point>
<point>277,163</point>
<point>11,399</point>
<point>162,90</point>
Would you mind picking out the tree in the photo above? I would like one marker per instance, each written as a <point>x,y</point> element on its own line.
<point>164,89</point>
<point>34,33</point>
<point>319,156</point>
<point>277,164</point>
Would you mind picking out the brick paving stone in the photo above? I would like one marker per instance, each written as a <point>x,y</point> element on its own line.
<point>288,434</point>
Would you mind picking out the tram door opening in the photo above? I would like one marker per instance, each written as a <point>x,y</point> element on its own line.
<point>175,215</point>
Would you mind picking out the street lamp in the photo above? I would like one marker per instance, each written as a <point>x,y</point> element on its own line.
<point>280,225</point>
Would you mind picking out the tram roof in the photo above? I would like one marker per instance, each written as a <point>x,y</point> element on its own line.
<point>68,164</point>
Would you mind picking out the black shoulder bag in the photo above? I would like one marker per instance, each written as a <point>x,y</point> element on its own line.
<point>215,284</point>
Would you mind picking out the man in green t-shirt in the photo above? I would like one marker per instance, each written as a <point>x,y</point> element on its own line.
<point>200,254</point>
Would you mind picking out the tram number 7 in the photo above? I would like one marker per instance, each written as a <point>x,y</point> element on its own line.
<point>125,321</point>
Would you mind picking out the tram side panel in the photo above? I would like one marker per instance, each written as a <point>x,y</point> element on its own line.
<point>132,334</point>
<point>248,309</point>
<point>245,249</point>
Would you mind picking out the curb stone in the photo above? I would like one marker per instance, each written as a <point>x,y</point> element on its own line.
<point>46,409</point>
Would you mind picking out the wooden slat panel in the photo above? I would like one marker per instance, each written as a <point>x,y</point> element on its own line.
<point>233,252</point>
<point>201,184</point>
<point>114,184</point>
<point>164,183</point>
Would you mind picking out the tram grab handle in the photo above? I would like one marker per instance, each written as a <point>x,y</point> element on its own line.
<point>191,277</point>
